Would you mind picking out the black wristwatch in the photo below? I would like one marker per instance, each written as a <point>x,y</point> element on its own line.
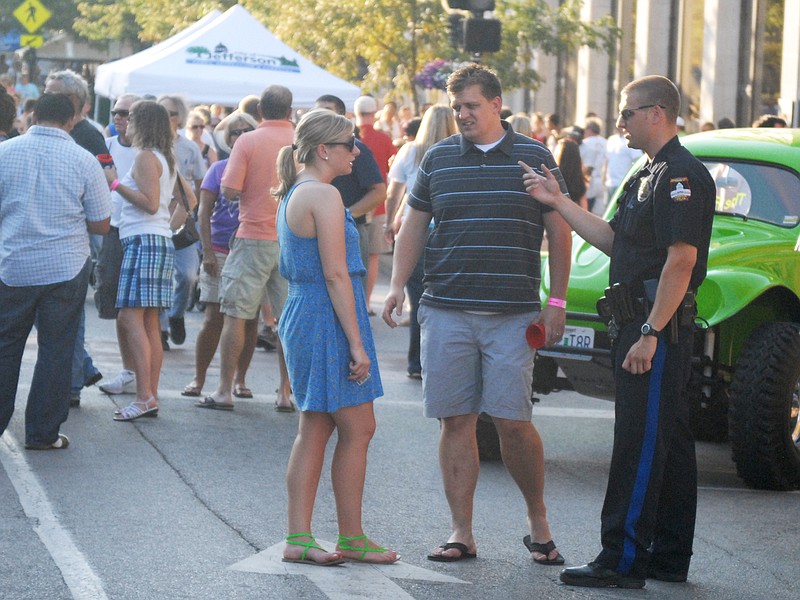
<point>648,329</point>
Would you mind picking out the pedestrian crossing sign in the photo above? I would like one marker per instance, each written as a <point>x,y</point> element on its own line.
<point>32,14</point>
<point>31,41</point>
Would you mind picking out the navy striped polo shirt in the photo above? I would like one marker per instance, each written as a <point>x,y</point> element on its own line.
<point>483,252</point>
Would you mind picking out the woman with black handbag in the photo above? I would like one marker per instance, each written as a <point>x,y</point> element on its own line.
<point>145,285</point>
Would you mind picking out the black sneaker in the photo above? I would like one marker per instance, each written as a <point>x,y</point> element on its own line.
<point>177,330</point>
<point>165,341</point>
<point>90,381</point>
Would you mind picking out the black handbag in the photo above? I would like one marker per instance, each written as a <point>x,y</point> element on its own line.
<point>187,234</point>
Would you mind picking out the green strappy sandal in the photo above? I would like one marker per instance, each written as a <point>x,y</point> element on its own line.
<point>311,543</point>
<point>344,544</point>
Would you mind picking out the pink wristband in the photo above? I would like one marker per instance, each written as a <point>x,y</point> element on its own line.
<point>557,302</point>
<point>114,185</point>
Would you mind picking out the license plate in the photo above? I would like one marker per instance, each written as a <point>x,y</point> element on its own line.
<point>577,337</point>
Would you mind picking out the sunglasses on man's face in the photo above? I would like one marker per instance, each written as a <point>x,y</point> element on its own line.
<point>120,113</point>
<point>627,113</point>
<point>349,144</point>
<point>198,127</point>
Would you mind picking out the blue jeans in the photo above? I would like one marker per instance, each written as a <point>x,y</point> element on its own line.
<point>185,274</point>
<point>56,308</point>
<point>82,365</point>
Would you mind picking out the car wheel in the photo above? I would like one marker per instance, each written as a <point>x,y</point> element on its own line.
<point>710,416</point>
<point>763,423</point>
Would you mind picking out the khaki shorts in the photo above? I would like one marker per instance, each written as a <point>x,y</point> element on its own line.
<point>475,363</point>
<point>250,270</point>
<point>209,284</point>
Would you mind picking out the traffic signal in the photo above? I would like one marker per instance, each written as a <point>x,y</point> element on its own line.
<point>482,35</point>
<point>475,34</point>
<point>471,5</point>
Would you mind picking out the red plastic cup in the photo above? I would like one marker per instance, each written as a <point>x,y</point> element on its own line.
<point>536,335</point>
<point>105,160</point>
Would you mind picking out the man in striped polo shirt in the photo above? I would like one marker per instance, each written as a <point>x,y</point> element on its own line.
<point>482,275</point>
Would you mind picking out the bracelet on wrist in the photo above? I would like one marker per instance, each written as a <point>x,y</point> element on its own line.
<point>557,302</point>
<point>114,185</point>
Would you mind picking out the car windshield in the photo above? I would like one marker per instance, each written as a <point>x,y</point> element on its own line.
<point>757,191</point>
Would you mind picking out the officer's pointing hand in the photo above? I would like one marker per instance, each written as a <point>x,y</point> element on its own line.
<point>543,188</point>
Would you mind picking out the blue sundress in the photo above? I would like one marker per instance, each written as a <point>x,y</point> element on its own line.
<point>314,344</point>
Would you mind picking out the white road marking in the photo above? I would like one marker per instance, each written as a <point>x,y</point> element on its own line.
<point>745,489</point>
<point>350,580</point>
<point>578,413</point>
<point>81,580</point>
<point>538,410</point>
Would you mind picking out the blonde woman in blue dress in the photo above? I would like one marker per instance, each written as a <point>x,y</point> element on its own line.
<point>326,338</point>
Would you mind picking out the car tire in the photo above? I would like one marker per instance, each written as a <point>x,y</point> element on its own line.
<point>763,417</point>
<point>710,422</point>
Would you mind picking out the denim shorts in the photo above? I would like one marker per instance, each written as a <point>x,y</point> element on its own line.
<point>474,363</point>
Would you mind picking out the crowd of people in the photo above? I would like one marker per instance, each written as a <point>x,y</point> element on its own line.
<point>292,219</point>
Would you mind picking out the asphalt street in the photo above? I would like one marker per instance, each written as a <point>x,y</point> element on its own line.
<point>192,504</point>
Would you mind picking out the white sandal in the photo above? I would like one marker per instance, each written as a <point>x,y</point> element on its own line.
<point>133,411</point>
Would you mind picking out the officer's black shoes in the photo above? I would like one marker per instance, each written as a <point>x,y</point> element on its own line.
<point>660,574</point>
<point>596,575</point>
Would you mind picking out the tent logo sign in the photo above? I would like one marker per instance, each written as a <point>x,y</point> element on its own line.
<point>200,55</point>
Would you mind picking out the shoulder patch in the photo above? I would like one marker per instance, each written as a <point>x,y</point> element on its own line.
<point>679,189</point>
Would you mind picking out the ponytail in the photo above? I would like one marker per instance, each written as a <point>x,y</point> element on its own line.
<point>287,172</point>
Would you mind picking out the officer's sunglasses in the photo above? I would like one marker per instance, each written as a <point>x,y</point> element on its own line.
<point>627,113</point>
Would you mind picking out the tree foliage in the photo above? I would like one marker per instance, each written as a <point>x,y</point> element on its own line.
<point>383,43</point>
<point>531,26</point>
<point>377,44</point>
<point>140,21</point>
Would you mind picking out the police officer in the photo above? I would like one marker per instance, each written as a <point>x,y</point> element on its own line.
<point>660,232</point>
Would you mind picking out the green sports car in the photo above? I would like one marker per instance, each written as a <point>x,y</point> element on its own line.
<point>746,365</point>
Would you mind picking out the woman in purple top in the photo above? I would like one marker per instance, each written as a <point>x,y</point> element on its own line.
<point>218,219</point>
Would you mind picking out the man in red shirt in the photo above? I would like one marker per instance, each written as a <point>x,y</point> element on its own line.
<point>383,150</point>
<point>252,265</point>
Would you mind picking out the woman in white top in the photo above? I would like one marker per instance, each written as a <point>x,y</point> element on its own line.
<point>145,284</point>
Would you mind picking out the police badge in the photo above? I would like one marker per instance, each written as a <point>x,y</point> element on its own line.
<point>644,189</point>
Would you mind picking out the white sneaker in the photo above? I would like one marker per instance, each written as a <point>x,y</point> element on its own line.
<point>124,383</point>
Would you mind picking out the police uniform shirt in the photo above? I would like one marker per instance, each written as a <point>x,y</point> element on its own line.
<point>669,200</point>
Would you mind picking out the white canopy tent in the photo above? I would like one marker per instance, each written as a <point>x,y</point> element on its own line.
<point>219,60</point>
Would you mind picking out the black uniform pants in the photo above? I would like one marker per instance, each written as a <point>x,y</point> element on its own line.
<point>651,501</point>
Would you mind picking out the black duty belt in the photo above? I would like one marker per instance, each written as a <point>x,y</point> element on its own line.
<point>620,307</point>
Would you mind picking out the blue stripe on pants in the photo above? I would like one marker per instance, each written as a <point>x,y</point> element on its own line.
<point>645,458</point>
